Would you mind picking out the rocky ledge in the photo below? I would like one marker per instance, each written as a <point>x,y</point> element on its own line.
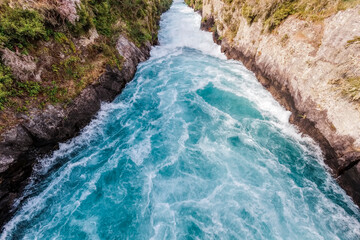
<point>42,130</point>
<point>306,66</point>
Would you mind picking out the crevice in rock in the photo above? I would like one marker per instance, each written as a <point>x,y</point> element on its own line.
<point>348,167</point>
<point>348,161</point>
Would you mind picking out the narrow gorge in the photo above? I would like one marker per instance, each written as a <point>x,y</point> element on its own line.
<point>181,140</point>
<point>60,60</point>
<point>307,54</point>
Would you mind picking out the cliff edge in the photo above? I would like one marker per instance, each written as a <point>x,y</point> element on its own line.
<point>58,61</point>
<point>307,54</point>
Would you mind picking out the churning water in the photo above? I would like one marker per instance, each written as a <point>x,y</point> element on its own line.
<point>194,148</point>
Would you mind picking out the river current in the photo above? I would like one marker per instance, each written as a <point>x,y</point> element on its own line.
<point>193,148</point>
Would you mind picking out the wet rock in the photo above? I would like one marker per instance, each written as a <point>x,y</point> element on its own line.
<point>207,23</point>
<point>18,137</point>
<point>349,181</point>
<point>114,80</point>
<point>5,162</point>
<point>42,130</point>
<point>297,64</point>
<point>43,125</point>
<point>129,51</point>
<point>80,112</point>
<point>348,161</point>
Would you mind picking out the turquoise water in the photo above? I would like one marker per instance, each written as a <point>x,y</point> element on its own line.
<point>194,148</point>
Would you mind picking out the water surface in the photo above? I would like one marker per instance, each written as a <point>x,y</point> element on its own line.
<point>194,148</point>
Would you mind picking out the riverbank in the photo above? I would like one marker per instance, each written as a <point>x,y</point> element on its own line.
<point>309,66</point>
<point>85,69</point>
<point>193,147</point>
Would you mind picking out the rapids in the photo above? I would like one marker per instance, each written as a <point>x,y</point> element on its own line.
<point>193,148</point>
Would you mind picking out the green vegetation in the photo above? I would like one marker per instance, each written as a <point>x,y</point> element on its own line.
<point>103,18</point>
<point>273,12</point>
<point>280,14</point>
<point>313,10</point>
<point>62,39</point>
<point>6,81</point>
<point>30,88</point>
<point>39,30</point>
<point>196,4</point>
<point>140,17</point>
<point>353,41</point>
<point>85,22</point>
<point>248,13</point>
<point>19,27</point>
<point>351,88</point>
<point>284,39</point>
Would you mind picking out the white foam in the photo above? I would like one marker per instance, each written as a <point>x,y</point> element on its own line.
<point>186,32</point>
<point>234,190</point>
<point>139,152</point>
<point>89,227</point>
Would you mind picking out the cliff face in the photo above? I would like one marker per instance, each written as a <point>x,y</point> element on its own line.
<point>51,86</point>
<point>311,65</point>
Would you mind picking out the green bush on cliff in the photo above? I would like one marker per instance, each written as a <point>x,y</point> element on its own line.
<point>274,12</point>
<point>198,5</point>
<point>103,18</point>
<point>138,33</point>
<point>84,24</point>
<point>19,27</point>
<point>281,13</point>
<point>5,84</point>
<point>351,88</point>
<point>31,88</point>
<point>353,41</point>
<point>22,29</point>
<point>137,15</point>
<point>248,13</point>
<point>164,5</point>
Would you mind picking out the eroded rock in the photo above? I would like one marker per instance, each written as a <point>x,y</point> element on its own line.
<point>297,64</point>
<point>23,67</point>
<point>42,130</point>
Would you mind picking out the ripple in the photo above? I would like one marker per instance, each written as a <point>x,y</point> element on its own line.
<point>193,148</point>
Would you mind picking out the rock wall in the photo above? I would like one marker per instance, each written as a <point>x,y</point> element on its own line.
<point>42,130</point>
<point>53,79</point>
<point>306,66</point>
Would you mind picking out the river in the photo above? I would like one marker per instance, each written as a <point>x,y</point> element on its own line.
<point>193,148</point>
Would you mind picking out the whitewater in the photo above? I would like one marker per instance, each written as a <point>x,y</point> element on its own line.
<point>193,148</point>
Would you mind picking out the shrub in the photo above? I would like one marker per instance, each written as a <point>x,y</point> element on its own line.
<point>18,27</point>
<point>198,5</point>
<point>138,33</point>
<point>351,88</point>
<point>103,18</point>
<point>281,13</point>
<point>354,40</point>
<point>249,14</point>
<point>71,68</point>
<point>284,40</point>
<point>84,24</point>
<point>5,84</point>
<point>30,87</point>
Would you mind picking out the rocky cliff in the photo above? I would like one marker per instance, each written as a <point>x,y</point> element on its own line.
<point>59,61</point>
<point>307,54</point>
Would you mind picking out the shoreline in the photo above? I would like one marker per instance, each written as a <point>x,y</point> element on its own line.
<point>344,164</point>
<point>29,145</point>
<point>44,130</point>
